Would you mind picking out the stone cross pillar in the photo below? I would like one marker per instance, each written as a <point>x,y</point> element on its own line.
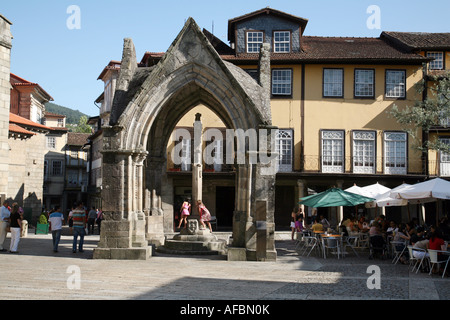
<point>197,167</point>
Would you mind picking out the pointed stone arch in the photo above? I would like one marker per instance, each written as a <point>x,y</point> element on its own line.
<point>148,103</point>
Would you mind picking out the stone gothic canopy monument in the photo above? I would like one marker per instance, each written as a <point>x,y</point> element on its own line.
<point>148,103</point>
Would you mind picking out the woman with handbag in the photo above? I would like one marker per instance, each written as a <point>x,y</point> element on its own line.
<point>16,228</point>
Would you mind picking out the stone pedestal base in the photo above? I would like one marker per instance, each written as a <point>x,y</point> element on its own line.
<point>143,253</point>
<point>237,254</point>
<point>193,241</point>
<point>155,230</point>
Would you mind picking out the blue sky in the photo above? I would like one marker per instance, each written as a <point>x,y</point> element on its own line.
<point>67,62</point>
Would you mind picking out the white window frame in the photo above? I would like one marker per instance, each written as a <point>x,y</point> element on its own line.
<point>282,45</point>
<point>395,152</point>
<point>364,151</point>
<point>51,142</point>
<point>284,147</point>
<point>364,83</point>
<point>333,82</point>
<point>438,62</point>
<point>333,151</point>
<point>395,83</point>
<point>254,40</point>
<point>281,82</point>
<point>444,159</point>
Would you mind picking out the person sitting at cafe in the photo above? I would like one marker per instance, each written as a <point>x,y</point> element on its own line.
<point>363,225</point>
<point>418,236</point>
<point>324,222</point>
<point>317,226</point>
<point>352,227</point>
<point>402,235</point>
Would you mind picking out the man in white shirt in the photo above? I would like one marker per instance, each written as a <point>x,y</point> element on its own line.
<point>4,223</point>
<point>56,220</point>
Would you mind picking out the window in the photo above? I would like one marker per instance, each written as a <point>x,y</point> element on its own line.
<point>281,82</point>
<point>333,82</point>
<point>364,83</point>
<point>254,41</point>
<point>282,41</point>
<point>438,62</point>
<point>395,84</point>
<point>253,73</point>
<point>364,151</point>
<point>45,169</point>
<point>444,168</point>
<point>51,142</point>
<point>333,151</point>
<point>395,152</point>
<point>186,155</point>
<point>60,122</point>
<point>57,168</point>
<point>283,140</point>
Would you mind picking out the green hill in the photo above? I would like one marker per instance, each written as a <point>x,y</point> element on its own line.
<point>72,116</point>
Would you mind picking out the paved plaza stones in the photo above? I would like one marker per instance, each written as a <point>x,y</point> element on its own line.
<point>37,273</point>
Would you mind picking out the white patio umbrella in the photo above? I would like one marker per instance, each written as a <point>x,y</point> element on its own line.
<point>358,190</point>
<point>435,188</point>
<point>375,189</point>
<point>385,199</point>
<point>423,192</point>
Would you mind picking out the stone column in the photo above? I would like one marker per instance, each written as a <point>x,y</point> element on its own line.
<point>197,167</point>
<point>5,92</point>
<point>121,236</point>
<point>301,185</point>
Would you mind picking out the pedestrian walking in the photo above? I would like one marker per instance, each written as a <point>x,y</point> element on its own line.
<point>185,212</point>
<point>79,225</point>
<point>4,223</point>
<point>205,216</point>
<point>56,221</point>
<point>16,229</point>
<point>92,215</point>
<point>99,219</point>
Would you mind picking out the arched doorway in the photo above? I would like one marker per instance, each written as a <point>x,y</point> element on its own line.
<point>148,104</point>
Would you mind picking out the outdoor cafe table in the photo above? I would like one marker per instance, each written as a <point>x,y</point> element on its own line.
<point>337,237</point>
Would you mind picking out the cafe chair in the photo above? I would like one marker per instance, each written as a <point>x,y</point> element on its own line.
<point>414,260</point>
<point>434,259</point>
<point>300,241</point>
<point>397,251</point>
<point>330,243</point>
<point>377,245</point>
<point>310,244</point>
<point>351,242</point>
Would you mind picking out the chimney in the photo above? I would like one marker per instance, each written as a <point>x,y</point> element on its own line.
<point>264,69</point>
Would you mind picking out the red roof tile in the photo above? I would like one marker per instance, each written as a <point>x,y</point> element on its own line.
<point>15,119</point>
<point>18,129</point>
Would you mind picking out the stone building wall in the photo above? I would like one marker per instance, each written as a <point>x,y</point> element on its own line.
<point>5,88</point>
<point>26,172</point>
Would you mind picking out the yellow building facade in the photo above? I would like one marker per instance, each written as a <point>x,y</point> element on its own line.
<point>330,102</point>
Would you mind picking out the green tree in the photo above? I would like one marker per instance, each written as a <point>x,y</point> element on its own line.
<point>81,127</point>
<point>427,114</point>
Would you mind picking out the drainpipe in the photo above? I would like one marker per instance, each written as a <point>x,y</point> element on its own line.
<point>302,119</point>
<point>425,135</point>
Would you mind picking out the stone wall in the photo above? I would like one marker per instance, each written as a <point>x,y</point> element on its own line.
<point>5,89</point>
<point>26,172</point>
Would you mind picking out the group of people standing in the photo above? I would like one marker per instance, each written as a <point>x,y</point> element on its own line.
<point>185,211</point>
<point>11,221</point>
<point>79,219</point>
